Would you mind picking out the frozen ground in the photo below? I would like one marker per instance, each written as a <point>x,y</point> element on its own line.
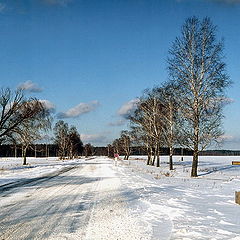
<point>91,199</point>
<point>180,207</point>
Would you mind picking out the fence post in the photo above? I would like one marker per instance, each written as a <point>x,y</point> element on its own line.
<point>237,197</point>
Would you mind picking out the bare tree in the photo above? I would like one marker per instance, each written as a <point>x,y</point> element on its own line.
<point>148,117</point>
<point>142,139</point>
<point>15,110</point>
<point>31,130</point>
<point>110,150</point>
<point>117,146</point>
<point>68,140</point>
<point>142,129</point>
<point>125,141</point>
<point>88,150</point>
<point>166,95</point>
<point>197,68</point>
<point>61,132</point>
<point>75,143</point>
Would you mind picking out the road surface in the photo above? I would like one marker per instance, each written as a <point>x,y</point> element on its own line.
<point>85,202</point>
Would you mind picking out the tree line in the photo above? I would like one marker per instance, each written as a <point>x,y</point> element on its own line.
<point>186,110</point>
<point>24,122</point>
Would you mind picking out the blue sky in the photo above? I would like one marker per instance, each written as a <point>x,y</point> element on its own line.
<point>91,59</point>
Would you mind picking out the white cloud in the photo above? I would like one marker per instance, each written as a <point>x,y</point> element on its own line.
<point>93,138</point>
<point>128,107</point>
<point>230,138</point>
<point>48,105</point>
<point>119,122</point>
<point>230,142</point>
<point>30,86</point>
<point>226,137</point>
<point>78,110</point>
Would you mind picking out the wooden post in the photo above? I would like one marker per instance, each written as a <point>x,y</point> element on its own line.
<point>237,197</point>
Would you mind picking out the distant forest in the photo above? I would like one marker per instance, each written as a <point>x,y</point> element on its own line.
<point>51,150</point>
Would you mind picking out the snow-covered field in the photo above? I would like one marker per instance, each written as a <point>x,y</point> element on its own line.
<point>12,170</point>
<point>180,207</point>
<point>128,201</point>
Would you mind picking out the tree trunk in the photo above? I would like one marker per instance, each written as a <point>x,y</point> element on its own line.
<point>195,161</point>
<point>158,155</point>
<point>46,151</point>
<point>154,156</point>
<point>25,156</point>
<point>35,151</point>
<point>149,156</point>
<point>149,159</point>
<point>153,160</point>
<point>195,146</point>
<point>171,158</point>
<point>171,137</point>
<point>15,151</point>
<point>128,154</point>
<point>71,151</point>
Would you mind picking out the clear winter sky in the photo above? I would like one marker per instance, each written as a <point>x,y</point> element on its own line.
<point>89,60</point>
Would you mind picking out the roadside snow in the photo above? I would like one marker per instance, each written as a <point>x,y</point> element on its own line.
<point>180,207</point>
<point>12,170</point>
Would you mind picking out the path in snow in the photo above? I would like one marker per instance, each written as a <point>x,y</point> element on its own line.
<point>83,203</point>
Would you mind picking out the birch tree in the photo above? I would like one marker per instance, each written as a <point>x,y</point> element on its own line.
<point>197,68</point>
<point>61,132</point>
<point>167,97</point>
<point>125,141</point>
<point>141,139</point>
<point>117,146</point>
<point>148,117</point>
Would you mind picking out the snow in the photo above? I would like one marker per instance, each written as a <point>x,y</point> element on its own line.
<point>110,218</point>
<point>132,200</point>
<point>184,207</point>
<point>12,170</point>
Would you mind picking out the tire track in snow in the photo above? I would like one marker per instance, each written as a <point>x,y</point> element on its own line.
<point>41,222</point>
<point>111,218</point>
<point>37,188</point>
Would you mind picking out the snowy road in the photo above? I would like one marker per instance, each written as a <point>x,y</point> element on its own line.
<point>85,202</point>
<point>91,199</point>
